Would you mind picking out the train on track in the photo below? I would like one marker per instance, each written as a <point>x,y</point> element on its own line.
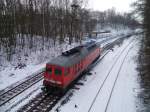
<point>64,69</point>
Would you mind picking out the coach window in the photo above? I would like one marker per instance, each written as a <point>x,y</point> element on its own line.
<point>58,71</point>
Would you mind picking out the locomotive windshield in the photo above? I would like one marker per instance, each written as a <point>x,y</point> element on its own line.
<point>49,70</point>
<point>58,71</point>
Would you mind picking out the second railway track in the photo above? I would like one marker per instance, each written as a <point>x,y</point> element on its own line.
<point>128,47</point>
<point>114,84</point>
<point>18,89</point>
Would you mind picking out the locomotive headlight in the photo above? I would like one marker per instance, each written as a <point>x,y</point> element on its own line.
<point>55,82</point>
<point>58,82</point>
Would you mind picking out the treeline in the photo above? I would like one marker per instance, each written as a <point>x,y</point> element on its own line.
<point>22,22</point>
<point>113,18</point>
<point>47,18</point>
<point>142,8</point>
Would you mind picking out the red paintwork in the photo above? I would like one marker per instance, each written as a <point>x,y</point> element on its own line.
<point>63,80</point>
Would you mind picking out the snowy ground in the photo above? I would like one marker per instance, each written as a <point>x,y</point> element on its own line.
<point>124,95</point>
<point>23,98</point>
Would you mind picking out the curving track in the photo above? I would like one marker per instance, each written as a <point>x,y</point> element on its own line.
<point>126,51</point>
<point>117,78</point>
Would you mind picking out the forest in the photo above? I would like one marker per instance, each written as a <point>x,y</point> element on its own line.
<point>33,25</point>
<point>142,8</point>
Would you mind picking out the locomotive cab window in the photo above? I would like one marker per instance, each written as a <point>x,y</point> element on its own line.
<point>58,71</point>
<point>49,70</point>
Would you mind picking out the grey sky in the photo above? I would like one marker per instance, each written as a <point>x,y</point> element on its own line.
<point>120,5</point>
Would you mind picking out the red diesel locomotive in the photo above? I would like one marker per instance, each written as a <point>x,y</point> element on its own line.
<point>64,69</point>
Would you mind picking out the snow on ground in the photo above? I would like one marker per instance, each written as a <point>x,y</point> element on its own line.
<point>124,96</point>
<point>127,87</point>
<point>9,77</point>
<point>23,98</point>
<point>124,91</point>
<point>10,74</point>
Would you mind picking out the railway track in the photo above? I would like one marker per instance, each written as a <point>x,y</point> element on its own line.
<point>108,102</point>
<point>106,50</point>
<point>128,48</point>
<point>43,102</point>
<point>10,93</point>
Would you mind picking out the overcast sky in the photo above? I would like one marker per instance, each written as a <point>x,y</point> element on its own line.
<point>120,5</point>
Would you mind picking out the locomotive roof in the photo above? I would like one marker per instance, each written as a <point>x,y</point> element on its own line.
<point>73,56</point>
